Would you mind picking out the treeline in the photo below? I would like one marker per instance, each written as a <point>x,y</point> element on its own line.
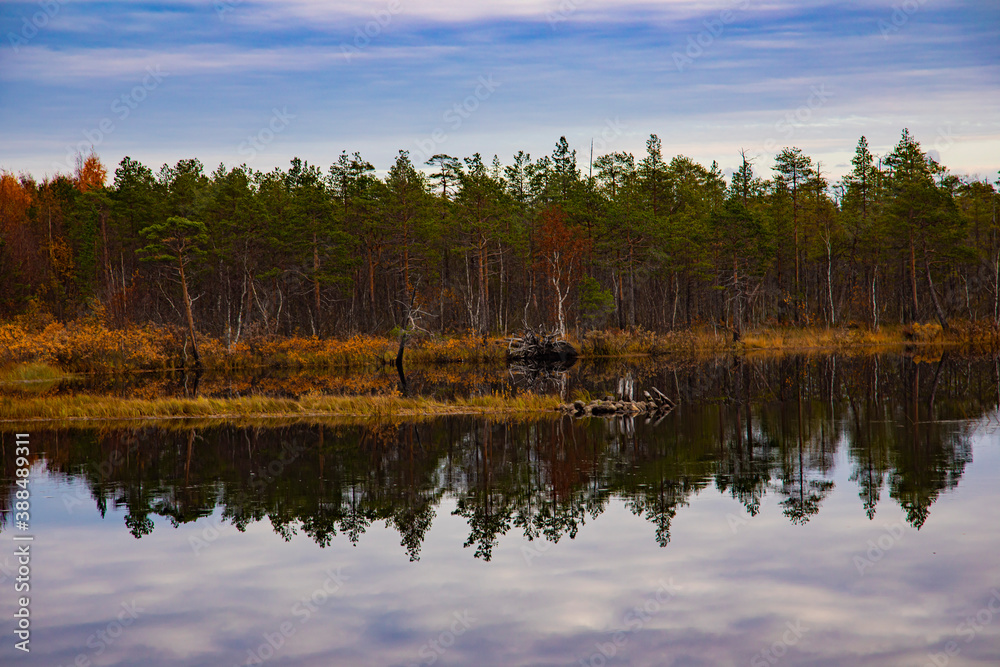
<point>471,245</point>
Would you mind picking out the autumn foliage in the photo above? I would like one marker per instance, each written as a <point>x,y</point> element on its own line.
<point>90,173</point>
<point>561,249</point>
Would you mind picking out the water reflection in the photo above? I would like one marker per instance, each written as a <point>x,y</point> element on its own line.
<point>753,430</point>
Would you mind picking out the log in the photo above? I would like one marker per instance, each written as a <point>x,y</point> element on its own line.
<point>663,397</point>
<point>657,407</point>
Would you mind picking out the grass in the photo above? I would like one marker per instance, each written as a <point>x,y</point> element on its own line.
<point>91,407</point>
<point>34,377</point>
<point>32,372</point>
<point>87,345</point>
<point>786,339</point>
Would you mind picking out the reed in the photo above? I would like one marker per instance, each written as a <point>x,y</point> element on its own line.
<point>787,339</point>
<point>31,372</point>
<point>94,407</point>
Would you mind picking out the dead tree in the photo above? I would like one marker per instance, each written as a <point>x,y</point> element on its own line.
<point>412,316</point>
<point>540,346</point>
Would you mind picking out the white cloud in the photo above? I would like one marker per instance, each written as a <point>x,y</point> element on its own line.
<point>44,65</point>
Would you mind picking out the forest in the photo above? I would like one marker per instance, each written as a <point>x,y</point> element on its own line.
<point>470,245</point>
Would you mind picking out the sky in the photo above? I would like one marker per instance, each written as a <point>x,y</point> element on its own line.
<point>262,81</point>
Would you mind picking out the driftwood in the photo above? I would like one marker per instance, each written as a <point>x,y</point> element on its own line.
<point>656,405</point>
<point>540,346</point>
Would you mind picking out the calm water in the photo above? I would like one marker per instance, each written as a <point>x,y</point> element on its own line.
<point>812,511</point>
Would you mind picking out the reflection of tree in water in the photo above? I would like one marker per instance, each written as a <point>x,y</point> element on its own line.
<point>659,508</point>
<point>803,492</point>
<point>525,476</point>
<point>137,519</point>
<point>412,523</point>
<point>930,457</point>
<point>744,465</point>
<point>910,443</point>
<point>759,427</point>
<point>486,510</point>
<point>870,431</point>
<point>744,470</point>
<point>804,498</point>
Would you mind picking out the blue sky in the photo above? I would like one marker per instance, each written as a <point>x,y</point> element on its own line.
<point>263,81</point>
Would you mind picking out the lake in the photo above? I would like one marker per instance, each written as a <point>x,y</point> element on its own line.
<point>810,510</point>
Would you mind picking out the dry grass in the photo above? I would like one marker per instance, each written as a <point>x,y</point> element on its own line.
<point>859,339</point>
<point>31,378</point>
<point>86,406</point>
<point>87,345</point>
<point>361,350</point>
<point>640,342</point>
<point>33,372</point>
<point>786,339</point>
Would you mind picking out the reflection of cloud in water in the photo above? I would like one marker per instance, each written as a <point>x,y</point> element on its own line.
<point>736,591</point>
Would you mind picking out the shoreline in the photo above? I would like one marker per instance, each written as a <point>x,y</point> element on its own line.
<point>317,391</point>
<point>91,408</point>
<point>88,346</point>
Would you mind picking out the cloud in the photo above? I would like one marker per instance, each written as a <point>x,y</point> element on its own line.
<point>45,65</point>
<point>357,83</point>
